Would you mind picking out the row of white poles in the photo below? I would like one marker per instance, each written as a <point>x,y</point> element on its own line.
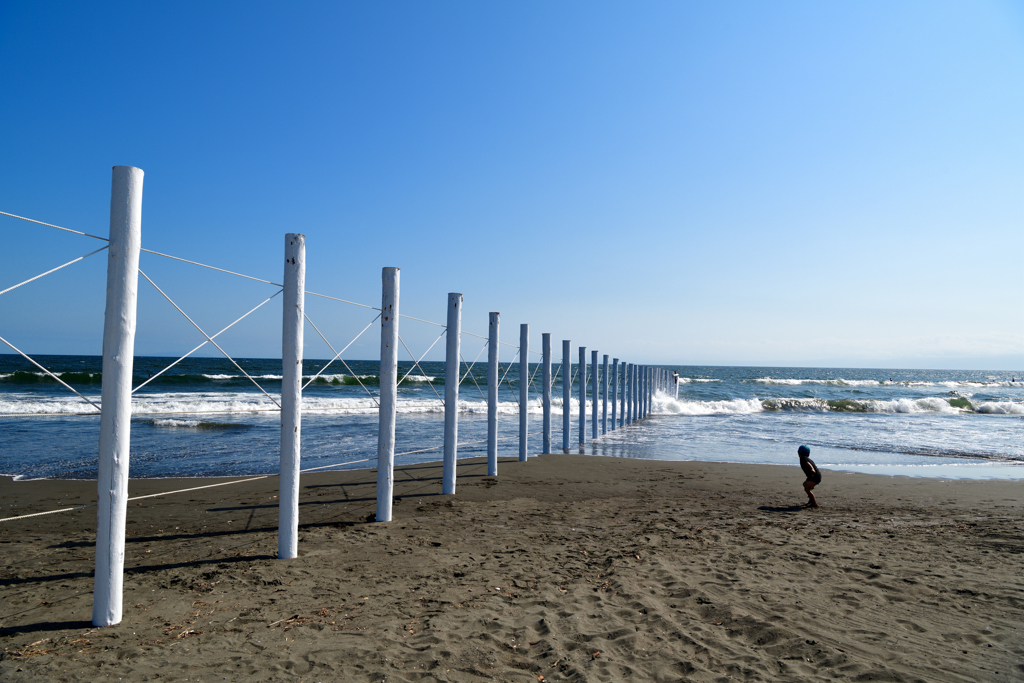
<point>632,390</point>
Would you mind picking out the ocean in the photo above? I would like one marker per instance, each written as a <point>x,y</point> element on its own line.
<point>205,418</point>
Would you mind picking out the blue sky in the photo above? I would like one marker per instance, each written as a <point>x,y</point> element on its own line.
<point>792,183</point>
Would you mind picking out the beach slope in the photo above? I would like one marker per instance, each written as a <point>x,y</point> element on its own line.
<point>563,568</point>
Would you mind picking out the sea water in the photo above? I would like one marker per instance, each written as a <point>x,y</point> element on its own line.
<point>205,417</point>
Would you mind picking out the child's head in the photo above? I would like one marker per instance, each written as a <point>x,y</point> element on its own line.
<point>803,452</point>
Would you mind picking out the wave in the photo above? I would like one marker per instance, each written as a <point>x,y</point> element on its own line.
<point>27,377</point>
<point>195,424</point>
<point>840,382</point>
<point>665,405</point>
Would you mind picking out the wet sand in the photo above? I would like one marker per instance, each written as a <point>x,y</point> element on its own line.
<point>565,568</point>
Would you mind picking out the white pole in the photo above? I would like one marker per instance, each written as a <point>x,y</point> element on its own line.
<point>622,398</point>
<point>388,392</point>
<point>524,387</point>
<point>291,395</point>
<point>643,391</point>
<point>594,379</point>
<point>625,393</point>
<point>615,388</point>
<point>583,394</point>
<point>116,391</point>
<point>634,394</point>
<point>546,352</point>
<point>648,376</point>
<point>492,396</point>
<point>566,392</point>
<point>452,371</point>
<point>604,395</point>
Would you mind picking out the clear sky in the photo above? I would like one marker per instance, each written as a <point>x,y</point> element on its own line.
<point>741,183</point>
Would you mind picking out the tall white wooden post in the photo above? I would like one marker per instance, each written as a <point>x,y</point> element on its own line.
<point>594,401</point>
<point>291,395</point>
<point>622,398</point>
<point>633,392</point>
<point>627,406</point>
<point>643,391</point>
<point>492,396</point>
<point>524,388</point>
<point>647,390</point>
<point>116,391</point>
<point>566,393</point>
<point>452,371</point>
<point>546,376</point>
<point>615,389</point>
<point>388,392</point>
<point>583,394</point>
<point>604,395</point>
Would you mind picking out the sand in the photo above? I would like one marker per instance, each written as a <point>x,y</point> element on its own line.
<point>565,568</point>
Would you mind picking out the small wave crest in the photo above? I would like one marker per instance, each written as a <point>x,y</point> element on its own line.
<point>666,405</point>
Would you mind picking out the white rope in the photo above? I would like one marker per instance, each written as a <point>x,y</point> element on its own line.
<point>344,301</point>
<point>153,495</point>
<point>420,320</point>
<point>250,277</point>
<point>337,354</point>
<point>470,371</point>
<point>471,366</point>
<point>422,450</point>
<point>203,265</point>
<point>210,339</point>
<point>414,366</point>
<point>49,512</point>
<point>51,225</point>
<point>66,385</point>
<point>53,270</point>
<point>267,300</point>
<point>337,464</point>
<point>197,488</point>
<point>416,363</point>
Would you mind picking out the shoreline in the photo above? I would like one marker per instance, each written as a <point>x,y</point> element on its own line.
<point>568,567</point>
<point>983,463</point>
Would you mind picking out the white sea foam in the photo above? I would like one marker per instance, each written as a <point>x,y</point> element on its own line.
<point>841,382</point>
<point>838,382</point>
<point>666,405</point>
<point>221,376</point>
<point>1001,408</point>
<point>164,422</point>
<point>912,405</point>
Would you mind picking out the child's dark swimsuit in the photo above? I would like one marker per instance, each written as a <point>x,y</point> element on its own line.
<point>811,470</point>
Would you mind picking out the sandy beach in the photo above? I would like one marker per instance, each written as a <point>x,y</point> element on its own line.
<point>564,568</point>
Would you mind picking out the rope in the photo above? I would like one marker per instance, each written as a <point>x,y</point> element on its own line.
<point>469,372</point>
<point>184,260</point>
<point>152,495</point>
<point>66,385</point>
<point>337,355</point>
<point>203,344</point>
<point>337,464</point>
<point>51,225</point>
<point>53,270</point>
<point>210,339</point>
<point>334,298</point>
<point>416,364</point>
<point>420,320</point>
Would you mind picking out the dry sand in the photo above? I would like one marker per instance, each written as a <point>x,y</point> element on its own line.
<point>565,568</point>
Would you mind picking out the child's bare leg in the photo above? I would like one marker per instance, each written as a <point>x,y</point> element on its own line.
<point>808,485</point>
